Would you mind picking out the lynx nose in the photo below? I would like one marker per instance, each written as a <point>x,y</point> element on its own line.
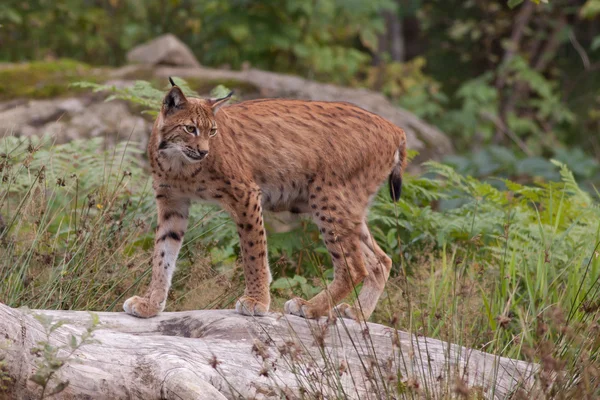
<point>202,154</point>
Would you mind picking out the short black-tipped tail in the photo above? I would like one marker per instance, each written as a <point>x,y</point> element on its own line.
<point>396,183</point>
<point>396,175</point>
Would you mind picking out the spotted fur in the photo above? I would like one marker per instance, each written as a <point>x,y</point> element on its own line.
<point>325,159</point>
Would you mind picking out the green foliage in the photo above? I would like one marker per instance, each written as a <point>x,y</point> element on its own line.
<point>479,116</point>
<point>590,9</point>
<point>408,85</point>
<point>515,3</point>
<point>71,201</point>
<point>313,38</point>
<point>493,162</point>
<point>52,358</point>
<point>141,93</point>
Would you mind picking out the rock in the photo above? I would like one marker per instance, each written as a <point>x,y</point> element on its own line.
<point>164,50</point>
<point>74,118</point>
<point>113,119</point>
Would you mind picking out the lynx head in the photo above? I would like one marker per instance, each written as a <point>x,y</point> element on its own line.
<point>185,126</point>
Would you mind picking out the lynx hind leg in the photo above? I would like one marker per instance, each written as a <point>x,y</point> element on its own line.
<point>379,266</point>
<point>341,234</point>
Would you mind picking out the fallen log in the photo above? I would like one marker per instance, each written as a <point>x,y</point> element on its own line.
<point>218,354</point>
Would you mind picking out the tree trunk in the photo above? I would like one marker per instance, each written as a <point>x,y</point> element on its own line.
<point>394,26</point>
<point>218,354</point>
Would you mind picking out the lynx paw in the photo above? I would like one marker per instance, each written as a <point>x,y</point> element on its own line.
<point>347,311</point>
<point>301,308</point>
<point>249,306</point>
<point>141,307</point>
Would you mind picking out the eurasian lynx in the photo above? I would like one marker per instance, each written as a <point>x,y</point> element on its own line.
<point>325,159</point>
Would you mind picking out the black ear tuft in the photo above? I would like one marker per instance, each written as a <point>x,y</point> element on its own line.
<point>172,83</point>
<point>215,104</point>
<point>174,100</point>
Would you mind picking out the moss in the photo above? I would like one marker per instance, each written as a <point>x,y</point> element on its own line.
<point>45,79</point>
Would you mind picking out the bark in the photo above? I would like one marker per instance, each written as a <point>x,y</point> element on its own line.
<point>218,354</point>
<point>395,35</point>
<point>506,104</point>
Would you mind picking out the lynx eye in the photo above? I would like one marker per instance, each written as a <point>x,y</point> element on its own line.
<point>213,132</point>
<point>190,129</point>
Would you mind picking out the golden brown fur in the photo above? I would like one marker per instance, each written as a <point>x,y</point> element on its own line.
<point>322,158</point>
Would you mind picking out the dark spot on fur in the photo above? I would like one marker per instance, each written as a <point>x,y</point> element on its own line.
<point>196,172</point>
<point>171,235</point>
<point>170,214</point>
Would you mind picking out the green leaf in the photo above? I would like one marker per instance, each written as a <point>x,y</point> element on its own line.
<point>95,318</point>
<point>514,3</point>
<point>73,342</point>
<point>368,38</point>
<point>57,325</point>
<point>58,388</point>
<point>284,283</point>
<point>595,43</point>
<point>38,379</point>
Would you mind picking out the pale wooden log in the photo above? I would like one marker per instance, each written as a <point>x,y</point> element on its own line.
<point>174,355</point>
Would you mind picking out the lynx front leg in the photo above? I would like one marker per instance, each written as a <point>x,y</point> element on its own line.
<point>172,223</point>
<point>253,242</point>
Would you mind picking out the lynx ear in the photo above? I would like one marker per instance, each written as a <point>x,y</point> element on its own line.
<point>174,100</point>
<point>215,104</point>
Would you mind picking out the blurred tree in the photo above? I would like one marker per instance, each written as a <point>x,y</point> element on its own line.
<point>533,66</point>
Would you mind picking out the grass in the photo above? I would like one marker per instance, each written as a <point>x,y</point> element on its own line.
<point>513,273</point>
